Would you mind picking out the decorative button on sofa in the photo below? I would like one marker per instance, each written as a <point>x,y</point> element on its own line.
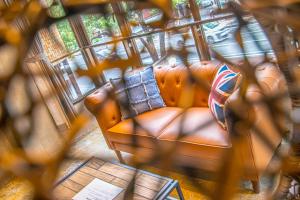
<point>202,148</point>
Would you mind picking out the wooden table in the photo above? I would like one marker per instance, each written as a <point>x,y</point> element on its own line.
<point>147,185</point>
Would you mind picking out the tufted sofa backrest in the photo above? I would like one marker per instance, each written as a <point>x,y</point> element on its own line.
<point>172,80</point>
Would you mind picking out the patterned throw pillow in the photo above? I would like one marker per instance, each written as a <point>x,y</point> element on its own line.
<point>223,86</point>
<point>137,92</point>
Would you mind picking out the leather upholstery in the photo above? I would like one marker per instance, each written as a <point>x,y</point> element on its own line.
<point>200,139</point>
<point>203,148</point>
<point>271,82</point>
<point>172,80</point>
<point>199,128</point>
<point>104,108</point>
<point>150,125</point>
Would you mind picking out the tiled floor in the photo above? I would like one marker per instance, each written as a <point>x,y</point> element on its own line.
<point>93,144</point>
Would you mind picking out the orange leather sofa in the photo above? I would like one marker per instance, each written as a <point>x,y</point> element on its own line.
<point>205,147</point>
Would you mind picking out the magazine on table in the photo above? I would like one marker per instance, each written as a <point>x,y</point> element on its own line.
<point>98,190</point>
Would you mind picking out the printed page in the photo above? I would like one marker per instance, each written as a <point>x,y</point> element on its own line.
<point>98,190</point>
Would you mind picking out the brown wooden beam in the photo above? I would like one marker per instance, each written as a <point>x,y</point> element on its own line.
<point>82,39</point>
<point>55,85</point>
<point>129,44</point>
<point>199,37</point>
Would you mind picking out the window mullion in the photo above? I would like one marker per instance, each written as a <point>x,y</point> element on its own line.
<point>83,41</point>
<point>130,45</point>
<point>201,46</point>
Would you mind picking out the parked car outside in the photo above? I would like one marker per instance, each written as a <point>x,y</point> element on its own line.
<point>216,31</point>
<point>206,3</point>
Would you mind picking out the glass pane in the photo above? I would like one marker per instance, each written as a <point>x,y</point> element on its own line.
<point>206,8</point>
<point>151,47</point>
<point>100,31</point>
<point>155,45</point>
<point>105,51</point>
<point>182,12</point>
<point>176,41</point>
<point>67,35</point>
<point>223,3</point>
<point>96,27</point>
<point>77,86</point>
<point>220,37</point>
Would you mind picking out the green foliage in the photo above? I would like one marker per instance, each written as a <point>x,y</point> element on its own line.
<point>198,1</point>
<point>56,9</point>
<point>176,2</point>
<point>67,35</point>
<point>49,2</point>
<point>155,11</point>
<point>93,23</point>
<point>113,25</point>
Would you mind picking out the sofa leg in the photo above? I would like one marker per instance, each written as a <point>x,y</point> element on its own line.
<point>256,186</point>
<point>119,155</point>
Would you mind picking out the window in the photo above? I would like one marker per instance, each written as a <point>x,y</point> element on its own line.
<point>219,35</point>
<point>200,39</point>
<point>77,86</point>
<point>149,46</point>
<point>101,31</point>
<point>67,35</point>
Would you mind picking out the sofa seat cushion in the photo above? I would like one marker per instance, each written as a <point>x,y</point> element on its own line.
<point>151,124</point>
<point>203,137</point>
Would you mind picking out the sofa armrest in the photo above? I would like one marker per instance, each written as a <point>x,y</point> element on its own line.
<point>260,122</point>
<point>104,107</point>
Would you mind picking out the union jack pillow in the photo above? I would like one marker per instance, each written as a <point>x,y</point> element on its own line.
<point>223,86</point>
